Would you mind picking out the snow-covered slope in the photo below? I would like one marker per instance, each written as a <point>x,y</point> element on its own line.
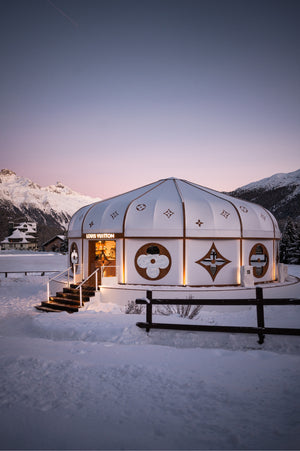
<point>279,193</point>
<point>275,181</point>
<point>51,207</point>
<point>23,192</point>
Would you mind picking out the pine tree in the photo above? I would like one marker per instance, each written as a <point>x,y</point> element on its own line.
<point>296,248</point>
<point>289,246</point>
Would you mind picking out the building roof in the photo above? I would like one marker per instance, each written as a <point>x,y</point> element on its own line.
<point>20,237</point>
<point>175,208</point>
<point>60,237</point>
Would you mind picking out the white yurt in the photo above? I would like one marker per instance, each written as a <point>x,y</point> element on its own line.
<point>174,233</point>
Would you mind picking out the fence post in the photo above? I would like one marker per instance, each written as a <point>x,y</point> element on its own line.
<point>48,290</point>
<point>260,314</point>
<point>149,309</point>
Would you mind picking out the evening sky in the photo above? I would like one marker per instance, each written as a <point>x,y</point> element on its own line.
<point>109,95</point>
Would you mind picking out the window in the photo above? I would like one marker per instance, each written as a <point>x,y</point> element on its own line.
<point>259,259</point>
<point>103,254</point>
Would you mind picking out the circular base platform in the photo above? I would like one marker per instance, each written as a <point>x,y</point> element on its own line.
<point>122,294</point>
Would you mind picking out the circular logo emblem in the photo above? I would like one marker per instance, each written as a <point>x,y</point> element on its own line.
<point>74,255</point>
<point>152,261</point>
<point>259,259</point>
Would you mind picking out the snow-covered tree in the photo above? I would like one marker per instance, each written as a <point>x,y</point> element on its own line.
<point>290,243</point>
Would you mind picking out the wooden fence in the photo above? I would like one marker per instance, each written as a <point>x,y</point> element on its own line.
<point>37,272</point>
<point>259,302</point>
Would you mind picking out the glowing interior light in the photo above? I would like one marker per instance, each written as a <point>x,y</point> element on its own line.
<point>238,275</point>
<point>123,274</point>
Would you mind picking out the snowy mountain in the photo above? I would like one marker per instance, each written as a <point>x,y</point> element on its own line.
<point>51,207</point>
<point>279,193</point>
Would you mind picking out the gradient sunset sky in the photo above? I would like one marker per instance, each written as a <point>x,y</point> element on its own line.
<point>107,96</point>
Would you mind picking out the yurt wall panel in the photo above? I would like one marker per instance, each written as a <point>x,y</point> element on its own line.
<point>212,262</point>
<point>256,221</point>
<point>154,262</point>
<point>212,217</point>
<point>119,261</point>
<point>259,254</point>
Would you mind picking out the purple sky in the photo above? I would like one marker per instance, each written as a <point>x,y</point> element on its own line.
<point>106,96</point>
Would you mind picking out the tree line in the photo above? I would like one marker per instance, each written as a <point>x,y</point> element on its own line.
<point>289,250</point>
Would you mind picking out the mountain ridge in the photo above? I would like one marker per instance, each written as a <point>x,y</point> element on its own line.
<point>53,206</point>
<point>279,193</point>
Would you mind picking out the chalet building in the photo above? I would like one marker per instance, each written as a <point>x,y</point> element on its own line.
<point>23,236</point>
<point>58,243</point>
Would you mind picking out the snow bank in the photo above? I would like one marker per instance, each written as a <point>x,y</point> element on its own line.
<point>94,380</point>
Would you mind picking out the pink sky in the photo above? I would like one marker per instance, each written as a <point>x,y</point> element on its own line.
<point>206,91</point>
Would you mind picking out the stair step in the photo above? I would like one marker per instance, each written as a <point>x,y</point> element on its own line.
<point>75,291</point>
<point>46,309</point>
<point>74,296</point>
<point>60,306</point>
<point>85,287</point>
<point>68,301</point>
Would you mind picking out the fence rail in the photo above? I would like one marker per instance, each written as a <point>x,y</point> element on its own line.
<point>259,301</point>
<point>42,272</point>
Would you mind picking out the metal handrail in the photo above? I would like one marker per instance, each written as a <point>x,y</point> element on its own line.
<point>60,274</point>
<point>59,281</point>
<point>84,281</point>
<point>103,268</point>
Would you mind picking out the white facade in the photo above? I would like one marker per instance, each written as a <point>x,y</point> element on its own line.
<point>175,233</point>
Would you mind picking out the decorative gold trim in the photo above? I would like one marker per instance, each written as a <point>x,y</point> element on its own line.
<point>158,183</point>
<point>260,266</point>
<point>184,233</point>
<point>123,261</point>
<point>211,238</point>
<point>213,261</point>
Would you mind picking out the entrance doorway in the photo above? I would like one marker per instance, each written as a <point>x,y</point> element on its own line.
<point>102,255</point>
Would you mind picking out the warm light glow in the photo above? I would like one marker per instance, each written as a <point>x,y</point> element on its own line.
<point>238,275</point>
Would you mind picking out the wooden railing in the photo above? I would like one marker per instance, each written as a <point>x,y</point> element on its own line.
<point>259,302</point>
<point>41,272</point>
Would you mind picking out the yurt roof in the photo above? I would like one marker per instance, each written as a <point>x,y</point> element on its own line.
<point>175,208</point>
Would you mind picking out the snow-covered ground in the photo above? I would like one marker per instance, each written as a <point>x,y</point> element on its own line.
<point>93,380</point>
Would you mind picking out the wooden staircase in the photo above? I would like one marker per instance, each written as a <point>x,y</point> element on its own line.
<point>67,300</point>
